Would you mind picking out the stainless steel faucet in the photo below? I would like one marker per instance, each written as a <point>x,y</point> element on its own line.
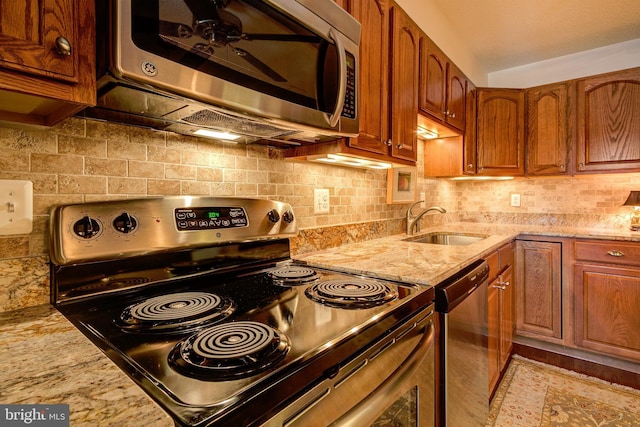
<point>413,221</point>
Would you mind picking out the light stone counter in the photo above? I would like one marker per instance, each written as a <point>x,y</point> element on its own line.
<point>429,264</point>
<point>44,359</point>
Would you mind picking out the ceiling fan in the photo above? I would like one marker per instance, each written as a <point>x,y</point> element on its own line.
<point>219,28</point>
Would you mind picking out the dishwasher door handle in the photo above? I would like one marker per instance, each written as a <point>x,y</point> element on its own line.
<point>367,410</point>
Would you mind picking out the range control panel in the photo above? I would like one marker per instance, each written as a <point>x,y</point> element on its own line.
<point>118,229</point>
<point>209,218</point>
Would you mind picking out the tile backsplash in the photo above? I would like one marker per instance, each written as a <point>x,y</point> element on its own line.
<point>83,160</point>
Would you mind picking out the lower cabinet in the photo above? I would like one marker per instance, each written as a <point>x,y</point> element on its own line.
<point>539,291</point>
<point>607,297</point>
<point>500,299</point>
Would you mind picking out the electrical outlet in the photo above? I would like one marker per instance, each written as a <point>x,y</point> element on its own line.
<point>321,204</point>
<point>16,207</point>
<point>515,199</point>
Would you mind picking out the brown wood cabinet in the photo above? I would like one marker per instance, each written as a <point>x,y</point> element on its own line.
<point>500,131</point>
<point>607,289</point>
<point>373,73</point>
<point>442,86</point>
<point>469,153</point>
<point>549,134</point>
<point>500,299</point>
<point>539,290</point>
<point>47,59</point>
<point>608,120</point>
<point>404,85</point>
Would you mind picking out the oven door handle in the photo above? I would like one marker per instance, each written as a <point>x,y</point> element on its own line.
<point>366,411</point>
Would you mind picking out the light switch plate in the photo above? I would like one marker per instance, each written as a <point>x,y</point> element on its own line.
<point>321,203</point>
<point>16,207</point>
<point>515,199</point>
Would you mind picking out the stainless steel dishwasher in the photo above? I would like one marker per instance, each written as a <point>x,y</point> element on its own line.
<point>461,303</point>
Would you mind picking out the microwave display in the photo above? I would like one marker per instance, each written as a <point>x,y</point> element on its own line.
<point>246,42</point>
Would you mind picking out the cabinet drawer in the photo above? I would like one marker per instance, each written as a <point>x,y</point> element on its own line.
<point>506,255</point>
<point>610,252</point>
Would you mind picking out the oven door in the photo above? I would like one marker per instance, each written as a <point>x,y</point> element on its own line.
<point>391,383</point>
<point>277,59</point>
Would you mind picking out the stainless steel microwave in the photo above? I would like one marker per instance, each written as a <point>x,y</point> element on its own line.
<point>274,69</point>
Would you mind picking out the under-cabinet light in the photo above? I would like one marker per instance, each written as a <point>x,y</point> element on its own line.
<point>217,135</point>
<point>424,133</point>
<point>481,178</point>
<point>354,162</point>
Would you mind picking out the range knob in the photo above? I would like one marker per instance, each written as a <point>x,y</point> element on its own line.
<point>273,216</point>
<point>86,227</point>
<point>287,216</point>
<point>125,223</point>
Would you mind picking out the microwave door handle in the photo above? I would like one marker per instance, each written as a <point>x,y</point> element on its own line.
<point>342,85</point>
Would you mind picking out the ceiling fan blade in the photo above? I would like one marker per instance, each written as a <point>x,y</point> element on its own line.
<point>264,68</point>
<point>283,37</point>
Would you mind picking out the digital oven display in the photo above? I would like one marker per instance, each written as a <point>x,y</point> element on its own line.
<point>210,218</point>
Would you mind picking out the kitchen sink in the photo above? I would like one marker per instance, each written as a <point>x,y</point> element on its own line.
<point>444,238</point>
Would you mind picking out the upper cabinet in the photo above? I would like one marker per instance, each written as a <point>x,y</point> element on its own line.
<point>548,129</point>
<point>608,120</point>
<point>500,131</point>
<point>373,73</point>
<point>443,87</point>
<point>47,59</point>
<point>404,85</point>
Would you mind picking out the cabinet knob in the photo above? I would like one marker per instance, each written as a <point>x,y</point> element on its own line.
<point>615,253</point>
<point>452,115</point>
<point>470,166</point>
<point>561,166</point>
<point>389,142</point>
<point>399,146</point>
<point>63,47</point>
<point>502,288</point>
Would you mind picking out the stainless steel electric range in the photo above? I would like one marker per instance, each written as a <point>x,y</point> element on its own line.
<point>198,301</point>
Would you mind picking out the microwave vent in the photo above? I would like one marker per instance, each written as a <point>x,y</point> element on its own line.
<point>244,125</point>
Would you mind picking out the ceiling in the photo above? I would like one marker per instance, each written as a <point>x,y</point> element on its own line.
<point>504,34</point>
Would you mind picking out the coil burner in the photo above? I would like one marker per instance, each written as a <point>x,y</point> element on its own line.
<point>230,350</point>
<point>175,312</point>
<point>351,293</point>
<point>293,275</point>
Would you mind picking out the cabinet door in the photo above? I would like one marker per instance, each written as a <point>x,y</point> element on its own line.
<point>500,131</point>
<point>608,110</point>
<point>37,84</point>
<point>547,129</point>
<point>606,309</point>
<point>29,30</point>
<point>493,332</point>
<point>373,71</point>
<point>404,85</point>
<point>456,97</point>
<point>469,141</point>
<point>539,287</point>
<point>506,315</point>
<point>433,79</point>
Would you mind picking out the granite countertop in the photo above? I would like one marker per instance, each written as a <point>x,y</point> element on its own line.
<point>46,360</point>
<point>427,264</point>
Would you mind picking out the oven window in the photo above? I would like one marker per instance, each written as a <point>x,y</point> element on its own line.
<point>246,42</point>
<point>402,413</point>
